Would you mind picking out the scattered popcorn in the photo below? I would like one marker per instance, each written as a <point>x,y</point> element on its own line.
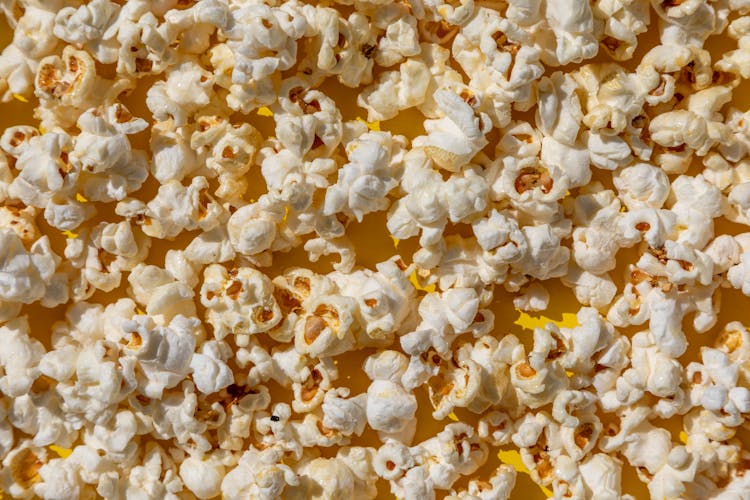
<point>195,300</point>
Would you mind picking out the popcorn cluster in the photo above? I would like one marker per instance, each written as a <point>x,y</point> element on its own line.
<point>187,365</point>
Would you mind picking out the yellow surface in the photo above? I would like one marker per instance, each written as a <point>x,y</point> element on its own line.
<point>380,246</point>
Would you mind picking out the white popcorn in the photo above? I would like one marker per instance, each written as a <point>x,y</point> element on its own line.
<point>500,60</point>
<point>559,114</point>
<point>32,26</point>
<point>530,186</point>
<point>453,141</point>
<point>415,84</point>
<point>258,475</point>
<point>262,40</point>
<point>401,40</point>
<point>173,158</point>
<point>571,23</point>
<point>329,478</point>
<point>66,87</point>
<point>92,26</point>
<point>194,26</point>
<point>473,383</point>
<point>499,487</point>
<point>239,301</point>
<point>534,298</point>
<point>642,186</point>
<point>537,380</point>
<point>652,370</point>
<point>27,276</point>
<point>109,168</point>
<point>47,179</point>
<point>430,202</point>
<point>177,208</point>
<point>573,161</point>
<point>252,229</point>
<point>229,149</point>
<point>21,469</point>
<point>210,371</point>
<point>444,317</point>
<point>59,479</point>
<point>607,152</point>
<point>104,253</point>
<point>614,98</point>
<point>390,408</point>
<point>19,358</point>
<point>392,461</point>
<point>386,299</point>
<point>364,182</point>
<point>453,452</point>
<point>163,353</point>
<point>308,122</point>
<point>158,475</point>
<point>328,327</point>
<point>255,157</point>
<point>345,415</point>
<point>202,476</point>
<point>397,90</point>
<point>590,289</point>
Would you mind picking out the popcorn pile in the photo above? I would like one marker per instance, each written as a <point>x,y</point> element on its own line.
<point>215,373</point>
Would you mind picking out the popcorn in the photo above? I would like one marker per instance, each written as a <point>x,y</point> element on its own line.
<point>401,40</point>
<point>385,298</point>
<point>252,228</point>
<point>329,478</point>
<point>453,141</point>
<point>500,60</point>
<point>327,329</point>
<point>173,158</point>
<point>308,122</point>
<point>571,23</point>
<point>28,275</point>
<point>347,49</point>
<point>32,41</point>
<point>176,208</point>
<point>239,301</point>
<point>256,159</point>
<point>258,474</point>
<point>20,358</point>
<point>345,415</point>
<point>156,476</point>
<point>559,114</point>
<point>534,298</point>
<point>92,26</point>
<point>229,149</point>
<point>109,168</point>
<point>364,182</point>
<point>537,379</point>
<point>66,85</point>
<point>390,408</point>
<point>500,485</point>
<point>453,452</point>
<point>163,353</point>
<point>210,371</point>
<point>21,469</point>
<point>163,296</point>
<point>203,477</point>
<point>444,317</point>
<point>262,40</point>
<point>642,186</point>
<point>394,91</point>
